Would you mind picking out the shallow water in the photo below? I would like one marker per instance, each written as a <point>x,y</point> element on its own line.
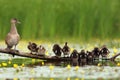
<point>62,73</point>
<point>87,72</point>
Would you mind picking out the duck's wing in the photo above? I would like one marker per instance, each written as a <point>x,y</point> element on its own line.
<point>7,39</point>
<point>18,37</point>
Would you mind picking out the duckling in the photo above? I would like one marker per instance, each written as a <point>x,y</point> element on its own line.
<point>74,57</point>
<point>66,50</point>
<point>12,38</point>
<point>104,51</point>
<point>41,50</point>
<point>57,50</point>
<point>96,53</point>
<point>89,57</point>
<point>32,47</point>
<point>82,58</point>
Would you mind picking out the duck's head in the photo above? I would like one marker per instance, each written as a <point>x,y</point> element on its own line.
<point>32,44</point>
<point>83,51</point>
<point>15,21</point>
<point>65,43</point>
<point>41,47</point>
<point>96,48</point>
<point>104,46</point>
<point>75,51</point>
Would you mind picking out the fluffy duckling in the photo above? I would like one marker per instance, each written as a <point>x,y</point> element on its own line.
<point>89,57</point>
<point>57,50</point>
<point>66,50</point>
<point>32,47</point>
<point>104,51</point>
<point>82,58</point>
<point>96,53</point>
<point>41,50</point>
<point>74,57</point>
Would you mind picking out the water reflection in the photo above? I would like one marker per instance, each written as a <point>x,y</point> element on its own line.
<point>64,64</point>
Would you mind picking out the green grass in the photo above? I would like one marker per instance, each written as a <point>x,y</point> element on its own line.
<point>79,19</point>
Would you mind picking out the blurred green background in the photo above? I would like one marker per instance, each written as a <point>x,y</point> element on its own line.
<point>58,19</point>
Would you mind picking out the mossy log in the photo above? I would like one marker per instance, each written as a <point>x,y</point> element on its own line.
<point>47,58</point>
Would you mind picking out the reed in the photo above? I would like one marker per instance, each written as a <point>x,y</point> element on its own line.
<point>79,19</point>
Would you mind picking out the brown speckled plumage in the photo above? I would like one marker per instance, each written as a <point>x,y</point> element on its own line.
<point>41,50</point>
<point>66,49</point>
<point>32,47</point>
<point>74,58</point>
<point>57,50</point>
<point>12,38</point>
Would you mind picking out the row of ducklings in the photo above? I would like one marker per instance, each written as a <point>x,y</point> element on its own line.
<point>83,57</point>
<point>88,57</point>
<point>40,50</point>
<point>95,53</point>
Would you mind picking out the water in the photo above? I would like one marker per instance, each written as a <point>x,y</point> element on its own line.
<point>45,73</point>
<point>87,72</point>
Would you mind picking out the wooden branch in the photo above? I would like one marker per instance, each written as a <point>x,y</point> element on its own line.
<point>29,55</point>
<point>47,58</point>
<point>113,57</point>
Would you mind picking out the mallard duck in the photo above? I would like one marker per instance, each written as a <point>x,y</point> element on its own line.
<point>41,50</point>
<point>74,57</point>
<point>82,58</point>
<point>57,50</point>
<point>32,47</point>
<point>12,38</point>
<point>66,49</point>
